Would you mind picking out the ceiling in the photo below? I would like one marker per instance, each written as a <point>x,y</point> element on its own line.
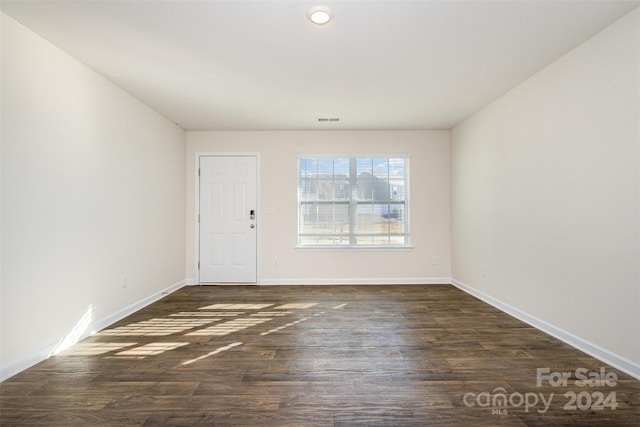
<point>261,65</point>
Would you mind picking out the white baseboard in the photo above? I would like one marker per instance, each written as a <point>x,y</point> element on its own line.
<point>588,347</point>
<point>369,281</point>
<point>16,367</point>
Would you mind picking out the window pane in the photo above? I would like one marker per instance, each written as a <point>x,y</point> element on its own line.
<point>364,219</point>
<point>307,183</point>
<point>380,218</point>
<point>341,168</point>
<point>364,166</point>
<point>397,240</point>
<point>324,240</point>
<point>381,168</point>
<point>364,240</point>
<point>324,218</point>
<point>308,165</point>
<point>396,190</point>
<point>381,240</point>
<point>397,168</point>
<point>397,220</point>
<point>364,177</point>
<point>325,166</point>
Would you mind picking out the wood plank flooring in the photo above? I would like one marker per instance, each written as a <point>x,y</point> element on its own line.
<point>317,356</point>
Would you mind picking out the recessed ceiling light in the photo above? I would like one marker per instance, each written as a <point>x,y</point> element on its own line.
<point>320,15</point>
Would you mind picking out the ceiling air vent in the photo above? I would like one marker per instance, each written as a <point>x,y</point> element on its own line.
<point>328,119</point>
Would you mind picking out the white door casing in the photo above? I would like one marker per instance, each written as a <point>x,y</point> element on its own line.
<point>228,219</point>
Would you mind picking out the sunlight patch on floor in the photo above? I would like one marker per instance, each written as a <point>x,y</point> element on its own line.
<point>229,327</point>
<point>296,306</point>
<point>209,321</point>
<point>206,314</point>
<point>97,348</point>
<point>283,327</point>
<point>235,307</point>
<point>271,314</point>
<point>214,352</point>
<point>158,327</point>
<point>152,349</point>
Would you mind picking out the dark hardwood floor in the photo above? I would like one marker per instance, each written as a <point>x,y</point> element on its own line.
<point>319,356</point>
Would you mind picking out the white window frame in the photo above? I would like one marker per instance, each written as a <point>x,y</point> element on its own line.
<point>353,202</point>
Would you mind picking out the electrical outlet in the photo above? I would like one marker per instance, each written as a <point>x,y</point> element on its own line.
<point>434,260</point>
<point>275,262</point>
<point>124,281</point>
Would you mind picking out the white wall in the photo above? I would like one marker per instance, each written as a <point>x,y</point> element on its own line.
<point>92,190</point>
<point>546,195</point>
<point>429,204</point>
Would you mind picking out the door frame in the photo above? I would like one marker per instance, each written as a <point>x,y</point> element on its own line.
<point>198,155</point>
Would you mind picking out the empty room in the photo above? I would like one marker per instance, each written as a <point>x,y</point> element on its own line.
<point>331,213</point>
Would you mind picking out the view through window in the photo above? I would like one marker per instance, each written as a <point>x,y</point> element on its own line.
<point>349,201</point>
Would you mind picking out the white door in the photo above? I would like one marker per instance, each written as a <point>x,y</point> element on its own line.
<point>228,236</point>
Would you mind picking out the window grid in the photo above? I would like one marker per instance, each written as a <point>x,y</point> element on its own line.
<point>353,202</point>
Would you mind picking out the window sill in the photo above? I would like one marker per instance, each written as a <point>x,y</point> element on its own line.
<point>355,248</point>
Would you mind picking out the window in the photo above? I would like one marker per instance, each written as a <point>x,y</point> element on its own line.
<point>353,201</point>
